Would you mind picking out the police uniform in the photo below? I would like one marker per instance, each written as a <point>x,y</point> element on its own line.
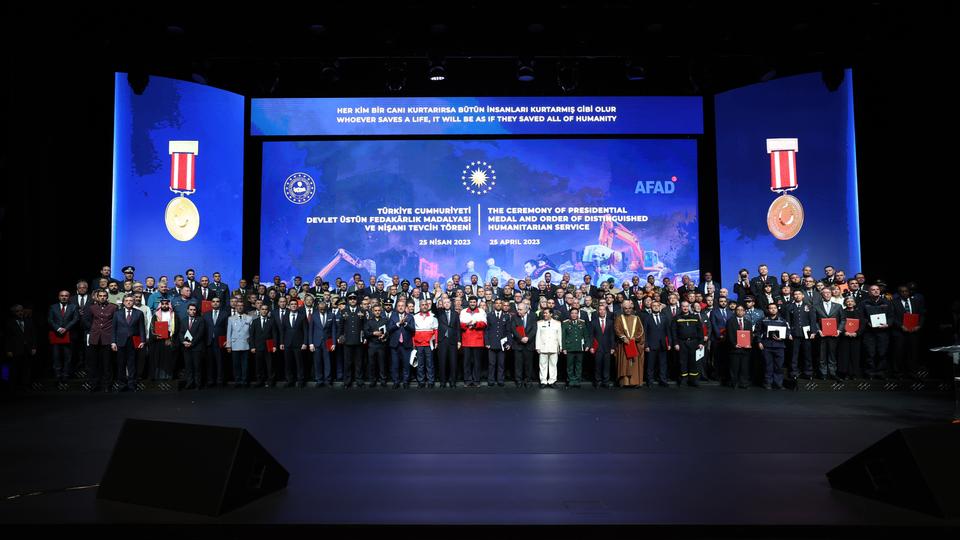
<point>773,350</point>
<point>573,336</point>
<point>688,329</point>
<point>351,337</point>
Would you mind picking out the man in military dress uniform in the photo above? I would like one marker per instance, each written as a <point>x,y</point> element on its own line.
<point>573,332</point>
<point>351,323</point>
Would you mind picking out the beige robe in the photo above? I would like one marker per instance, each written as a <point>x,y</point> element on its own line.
<point>629,370</point>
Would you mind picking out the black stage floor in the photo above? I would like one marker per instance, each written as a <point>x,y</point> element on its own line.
<point>661,456</point>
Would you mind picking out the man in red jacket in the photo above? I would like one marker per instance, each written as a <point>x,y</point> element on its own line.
<point>99,322</point>
<point>473,321</point>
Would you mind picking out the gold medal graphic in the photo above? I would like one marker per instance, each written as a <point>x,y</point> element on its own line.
<point>785,216</point>
<point>182,219</point>
<point>181,216</point>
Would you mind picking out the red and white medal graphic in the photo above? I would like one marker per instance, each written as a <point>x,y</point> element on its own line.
<point>181,216</point>
<point>785,216</point>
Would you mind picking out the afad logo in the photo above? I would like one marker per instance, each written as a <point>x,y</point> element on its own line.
<point>653,187</point>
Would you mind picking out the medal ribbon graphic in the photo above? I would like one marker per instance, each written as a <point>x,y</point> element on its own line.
<point>183,158</point>
<point>181,216</point>
<point>785,216</point>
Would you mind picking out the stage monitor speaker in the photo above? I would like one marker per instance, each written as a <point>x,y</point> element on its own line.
<point>189,468</point>
<point>917,468</point>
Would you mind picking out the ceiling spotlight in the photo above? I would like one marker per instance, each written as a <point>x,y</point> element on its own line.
<point>438,72</point>
<point>396,77</point>
<point>525,72</point>
<point>330,72</point>
<point>199,71</point>
<point>635,71</point>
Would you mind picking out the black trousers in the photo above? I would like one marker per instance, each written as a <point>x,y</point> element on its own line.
<point>447,361</point>
<point>739,367</point>
<point>61,361</point>
<point>193,360</point>
<point>352,364</point>
<point>656,366</point>
<point>801,357</point>
<point>875,345</point>
<point>848,356</point>
<point>98,366</point>
<point>688,359</point>
<point>127,365</point>
<point>828,355</point>
<point>906,352</point>
<point>523,365</point>
<point>378,365</point>
<point>264,362</point>
<point>496,361</point>
<point>472,361</point>
<point>215,364</point>
<point>293,360</point>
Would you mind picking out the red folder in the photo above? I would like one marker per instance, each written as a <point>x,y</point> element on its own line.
<point>743,338</point>
<point>521,331</point>
<point>828,327</point>
<point>851,326</point>
<point>221,341</point>
<point>57,339</point>
<point>595,345</point>
<point>136,342</point>
<point>705,331</point>
<point>329,344</point>
<point>911,320</point>
<point>162,329</point>
<point>630,349</point>
<point>270,345</point>
<point>206,306</point>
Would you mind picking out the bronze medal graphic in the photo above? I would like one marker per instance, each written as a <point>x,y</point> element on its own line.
<point>785,217</point>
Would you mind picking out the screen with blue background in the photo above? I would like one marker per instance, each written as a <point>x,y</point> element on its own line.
<point>321,202</point>
<point>567,115</point>
<point>795,107</point>
<point>144,125</point>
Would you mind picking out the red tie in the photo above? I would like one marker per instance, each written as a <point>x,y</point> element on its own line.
<point>63,310</point>
<point>601,325</point>
<point>741,323</point>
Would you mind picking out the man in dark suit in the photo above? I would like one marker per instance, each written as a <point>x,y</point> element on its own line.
<point>293,341</point>
<point>129,335</point>
<point>99,323</point>
<point>905,341</point>
<point>800,316</point>
<point>739,354</point>
<point>757,283</point>
<point>192,336</point>
<point>448,343</point>
<point>359,288</point>
<point>498,328</point>
<point>20,346</point>
<point>263,330</point>
<point>602,346</point>
<point>718,331</point>
<point>216,322</point>
<point>827,309</point>
<point>742,287</point>
<point>657,328</point>
<point>82,299</point>
<point>590,288</point>
<point>400,328</point>
<point>375,334</point>
<point>705,283</point>
<point>62,318</point>
<point>322,328</point>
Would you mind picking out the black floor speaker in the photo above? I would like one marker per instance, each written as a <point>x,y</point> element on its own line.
<point>917,468</point>
<point>189,468</point>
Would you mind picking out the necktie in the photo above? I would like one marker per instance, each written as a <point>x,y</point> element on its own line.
<point>741,323</point>
<point>129,316</point>
<point>20,324</point>
<point>191,323</point>
<point>63,310</point>
<point>657,319</point>
<point>263,322</point>
<point>602,320</point>
<point>906,304</point>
